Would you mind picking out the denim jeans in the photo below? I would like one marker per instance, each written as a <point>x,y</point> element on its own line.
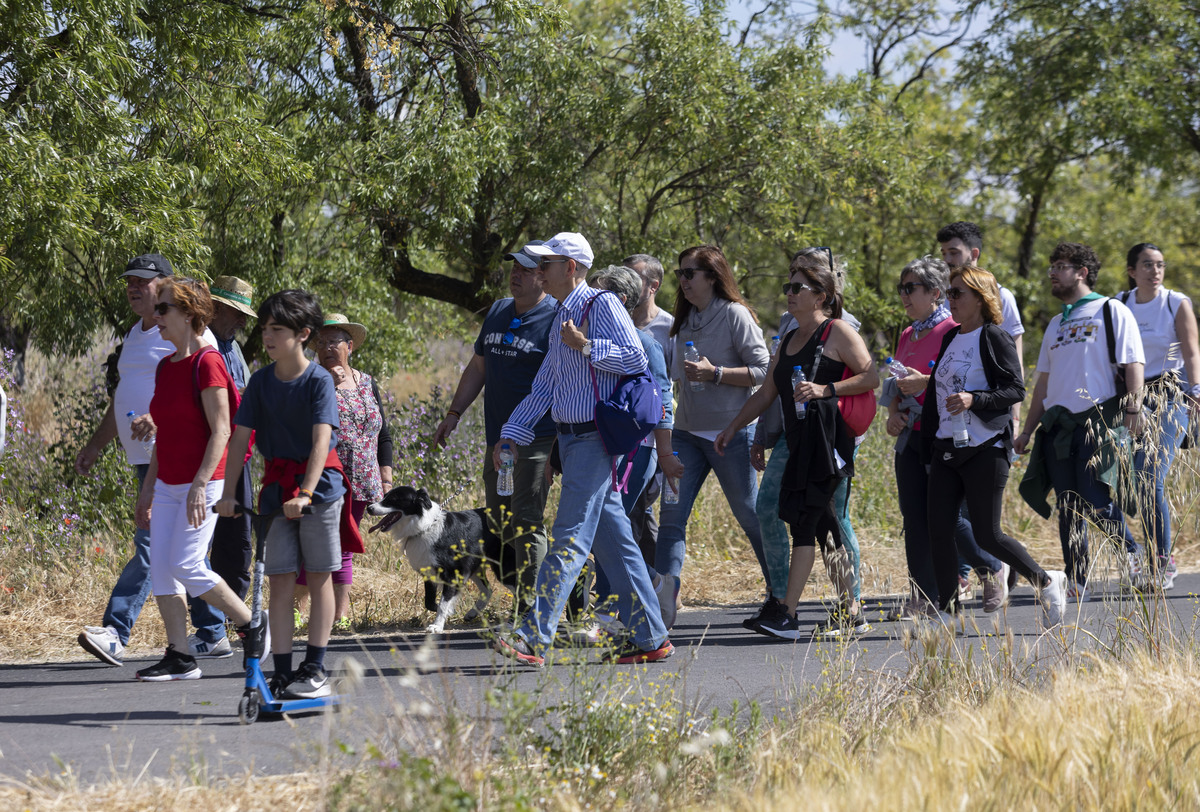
<point>1080,497</point>
<point>592,519</point>
<point>738,480</point>
<point>640,478</point>
<point>1152,462</point>
<point>133,588</point>
<point>777,544</point>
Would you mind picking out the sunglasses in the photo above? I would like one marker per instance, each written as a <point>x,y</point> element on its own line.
<point>907,288</point>
<point>162,307</point>
<point>795,287</point>
<point>509,337</point>
<point>542,263</point>
<point>688,273</point>
<point>955,293</point>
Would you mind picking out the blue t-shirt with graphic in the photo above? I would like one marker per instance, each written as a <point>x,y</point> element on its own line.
<point>512,355</point>
<point>282,414</point>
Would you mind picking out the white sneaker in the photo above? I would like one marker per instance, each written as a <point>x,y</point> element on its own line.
<point>995,590</point>
<point>668,593</point>
<point>216,651</point>
<point>1054,599</point>
<point>103,643</point>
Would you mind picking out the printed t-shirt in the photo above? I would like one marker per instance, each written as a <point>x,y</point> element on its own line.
<point>183,429</point>
<point>282,414</point>
<point>511,367</point>
<point>961,370</point>
<point>1074,355</point>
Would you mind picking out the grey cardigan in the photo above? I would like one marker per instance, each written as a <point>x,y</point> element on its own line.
<point>727,335</point>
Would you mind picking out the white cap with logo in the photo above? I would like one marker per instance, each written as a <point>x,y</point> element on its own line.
<point>569,244</point>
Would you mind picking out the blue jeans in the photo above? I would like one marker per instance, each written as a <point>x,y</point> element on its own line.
<point>640,477</point>
<point>592,519</point>
<point>738,480</point>
<point>1081,496</point>
<point>777,544</point>
<point>133,588</point>
<point>1168,424</point>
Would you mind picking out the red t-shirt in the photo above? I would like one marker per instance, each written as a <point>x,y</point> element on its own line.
<point>918,354</point>
<point>183,429</point>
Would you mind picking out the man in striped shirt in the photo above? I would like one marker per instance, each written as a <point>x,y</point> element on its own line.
<point>590,516</point>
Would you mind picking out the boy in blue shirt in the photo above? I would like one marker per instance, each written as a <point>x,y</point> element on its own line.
<point>291,406</point>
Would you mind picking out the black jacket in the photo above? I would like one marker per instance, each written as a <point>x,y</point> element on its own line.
<point>1006,386</point>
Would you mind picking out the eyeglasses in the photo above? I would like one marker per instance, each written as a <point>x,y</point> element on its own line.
<point>162,307</point>
<point>954,293</point>
<point>907,288</point>
<point>1062,267</point>
<point>795,287</point>
<point>509,337</point>
<point>688,273</point>
<point>329,342</point>
<point>1153,266</point>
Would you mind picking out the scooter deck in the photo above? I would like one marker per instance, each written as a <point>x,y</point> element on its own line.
<point>257,681</point>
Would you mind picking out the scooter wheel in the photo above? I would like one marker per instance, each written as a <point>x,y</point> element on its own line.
<point>248,710</point>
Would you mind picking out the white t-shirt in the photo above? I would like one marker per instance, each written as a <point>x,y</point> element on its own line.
<point>1074,355</point>
<point>139,360</point>
<point>961,370</point>
<point>660,328</point>
<point>1010,317</point>
<point>1156,322</point>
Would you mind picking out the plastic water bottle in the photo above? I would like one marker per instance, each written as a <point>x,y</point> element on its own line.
<point>797,379</point>
<point>508,464</point>
<point>775,342</point>
<point>690,353</point>
<point>148,443</point>
<point>671,492</point>
<point>958,426</point>
<point>897,369</point>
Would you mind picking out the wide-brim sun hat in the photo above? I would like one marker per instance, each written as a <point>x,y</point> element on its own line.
<point>358,333</point>
<point>234,292</point>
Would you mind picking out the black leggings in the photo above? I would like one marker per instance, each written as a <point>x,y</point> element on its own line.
<point>980,480</point>
<point>819,522</point>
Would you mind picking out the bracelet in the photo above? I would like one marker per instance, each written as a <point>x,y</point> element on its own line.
<point>457,415</point>
<point>305,492</point>
<point>832,391</point>
<point>717,373</point>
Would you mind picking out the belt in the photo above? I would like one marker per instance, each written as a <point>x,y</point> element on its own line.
<point>576,428</point>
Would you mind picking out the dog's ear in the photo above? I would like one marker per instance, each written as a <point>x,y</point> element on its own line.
<point>426,502</point>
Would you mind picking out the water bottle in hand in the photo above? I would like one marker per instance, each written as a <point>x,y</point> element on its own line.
<point>671,491</point>
<point>797,379</point>
<point>148,443</point>
<point>958,425</point>
<point>690,353</point>
<point>508,464</point>
<point>775,342</point>
<point>897,369</point>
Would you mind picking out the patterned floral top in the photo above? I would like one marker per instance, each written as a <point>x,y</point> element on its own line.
<point>358,439</point>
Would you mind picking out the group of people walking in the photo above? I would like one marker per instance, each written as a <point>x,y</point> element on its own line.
<point>1108,370</point>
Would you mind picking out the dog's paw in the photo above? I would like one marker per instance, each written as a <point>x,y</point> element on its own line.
<point>434,628</point>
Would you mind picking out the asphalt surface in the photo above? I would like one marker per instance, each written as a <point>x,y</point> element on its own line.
<point>98,722</point>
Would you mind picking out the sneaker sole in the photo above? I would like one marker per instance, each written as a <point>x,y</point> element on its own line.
<point>658,655</point>
<point>777,633</point>
<point>172,677</point>
<point>317,693</point>
<point>502,647</point>
<point>96,651</point>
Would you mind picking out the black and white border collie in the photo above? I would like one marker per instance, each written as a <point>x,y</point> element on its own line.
<point>446,548</point>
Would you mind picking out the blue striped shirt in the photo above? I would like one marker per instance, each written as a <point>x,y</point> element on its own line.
<point>564,383</point>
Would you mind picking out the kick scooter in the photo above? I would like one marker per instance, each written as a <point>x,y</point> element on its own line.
<point>257,697</point>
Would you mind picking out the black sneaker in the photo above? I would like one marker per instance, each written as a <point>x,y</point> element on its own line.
<point>309,682</point>
<point>278,684</point>
<point>769,607</point>
<point>782,625</point>
<point>172,666</point>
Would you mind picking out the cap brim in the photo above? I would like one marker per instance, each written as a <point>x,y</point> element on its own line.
<point>538,250</point>
<point>143,273</point>
<point>524,259</point>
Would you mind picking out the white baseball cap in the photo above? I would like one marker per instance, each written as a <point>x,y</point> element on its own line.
<point>569,244</point>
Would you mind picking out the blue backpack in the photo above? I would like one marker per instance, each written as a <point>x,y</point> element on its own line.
<point>627,415</point>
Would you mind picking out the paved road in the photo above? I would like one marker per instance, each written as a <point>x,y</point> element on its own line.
<point>99,722</point>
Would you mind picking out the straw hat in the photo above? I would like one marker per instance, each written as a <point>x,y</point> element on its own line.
<point>234,292</point>
<point>358,333</point>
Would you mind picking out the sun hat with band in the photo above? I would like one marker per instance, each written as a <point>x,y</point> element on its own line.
<point>358,333</point>
<point>234,292</point>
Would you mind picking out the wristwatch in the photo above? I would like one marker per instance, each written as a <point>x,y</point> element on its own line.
<point>586,349</point>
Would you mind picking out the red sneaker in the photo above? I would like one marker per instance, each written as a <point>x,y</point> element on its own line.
<point>629,654</point>
<point>514,646</point>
